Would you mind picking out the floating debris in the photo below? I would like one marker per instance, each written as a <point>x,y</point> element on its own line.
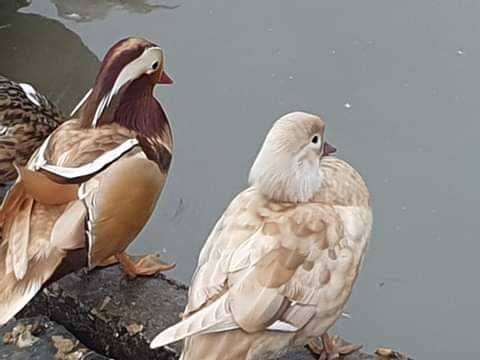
<point>460,52</point>
<point>73,16</point>
<point>179,209</point>
<point>391,354</point>
<point>347,105</point>
<point>346,315</point>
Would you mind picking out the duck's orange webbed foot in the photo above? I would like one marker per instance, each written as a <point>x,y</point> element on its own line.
<point>333,347</point>
<point>147,265</point>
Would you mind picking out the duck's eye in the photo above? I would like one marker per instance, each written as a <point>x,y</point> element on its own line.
<point>155,65</point>
<point>315,139</point>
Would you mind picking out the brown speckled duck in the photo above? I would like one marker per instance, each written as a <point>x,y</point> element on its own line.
<point>92,185</point>
<point>26,119</point>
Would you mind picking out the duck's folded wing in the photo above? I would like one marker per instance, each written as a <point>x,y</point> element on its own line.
<point>235,227</point>
<point>267,286</point>
<point>73,173</point>
<point>119,202</point>
<point>71,156</point>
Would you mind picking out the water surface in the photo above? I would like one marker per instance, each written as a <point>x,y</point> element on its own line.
<point>397,83</point>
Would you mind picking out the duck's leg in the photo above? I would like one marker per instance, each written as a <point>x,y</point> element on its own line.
<point>112,260</point>
<point>333,347</point>
<point>147,265</point>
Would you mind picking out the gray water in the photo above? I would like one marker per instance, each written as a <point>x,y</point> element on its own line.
<point>397,83</point>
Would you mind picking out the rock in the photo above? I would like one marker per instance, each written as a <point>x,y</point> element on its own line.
<point>119,317</point>
<point>113,315</point>
<point>38,338</point>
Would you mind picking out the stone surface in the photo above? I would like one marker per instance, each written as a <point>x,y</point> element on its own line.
<point>303,354</point>
<point>113,315</point>
<point>119,317</point>
<point>38,338</point>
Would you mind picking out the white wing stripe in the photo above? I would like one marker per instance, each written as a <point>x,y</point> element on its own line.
<point>79,105</point>
<point>87,169</point>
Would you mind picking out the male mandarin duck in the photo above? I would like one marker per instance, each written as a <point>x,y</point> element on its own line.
<point>92,185</point>
<point>281,262</point>
<point>26,119</point>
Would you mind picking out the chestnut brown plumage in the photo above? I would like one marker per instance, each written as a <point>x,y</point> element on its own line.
<point>90,188</point>
<point>25,121</point>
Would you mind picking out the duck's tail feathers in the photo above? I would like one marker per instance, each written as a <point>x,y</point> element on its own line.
<point>212,318</point>
<point>15,293</point>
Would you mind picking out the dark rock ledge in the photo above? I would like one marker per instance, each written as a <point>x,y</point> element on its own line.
<point>39,338</point>
<point>113,316</point>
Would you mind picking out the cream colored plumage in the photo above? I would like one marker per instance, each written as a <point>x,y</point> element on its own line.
<point>281,262</point>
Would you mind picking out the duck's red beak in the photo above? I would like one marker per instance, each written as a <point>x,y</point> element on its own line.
<point>328,149</point>
<point>165,79</point>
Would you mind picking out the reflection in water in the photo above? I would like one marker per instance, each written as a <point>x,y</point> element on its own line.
<point>87,10</point>
<point>44,53</point>
<point>13,5</point>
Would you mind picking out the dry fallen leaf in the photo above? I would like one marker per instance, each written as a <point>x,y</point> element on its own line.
<point>63,344</point>
<point>77,355</point>
<point>104,303</point>
<point>134,329</point>
<point>8,338</point>
<point>21,336</point>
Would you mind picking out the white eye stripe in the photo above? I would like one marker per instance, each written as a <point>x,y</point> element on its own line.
<point>135,69</point>
<point>132,71</point>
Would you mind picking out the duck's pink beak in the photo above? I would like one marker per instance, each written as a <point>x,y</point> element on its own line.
<point>328,149</point>
<point>165,79</point>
